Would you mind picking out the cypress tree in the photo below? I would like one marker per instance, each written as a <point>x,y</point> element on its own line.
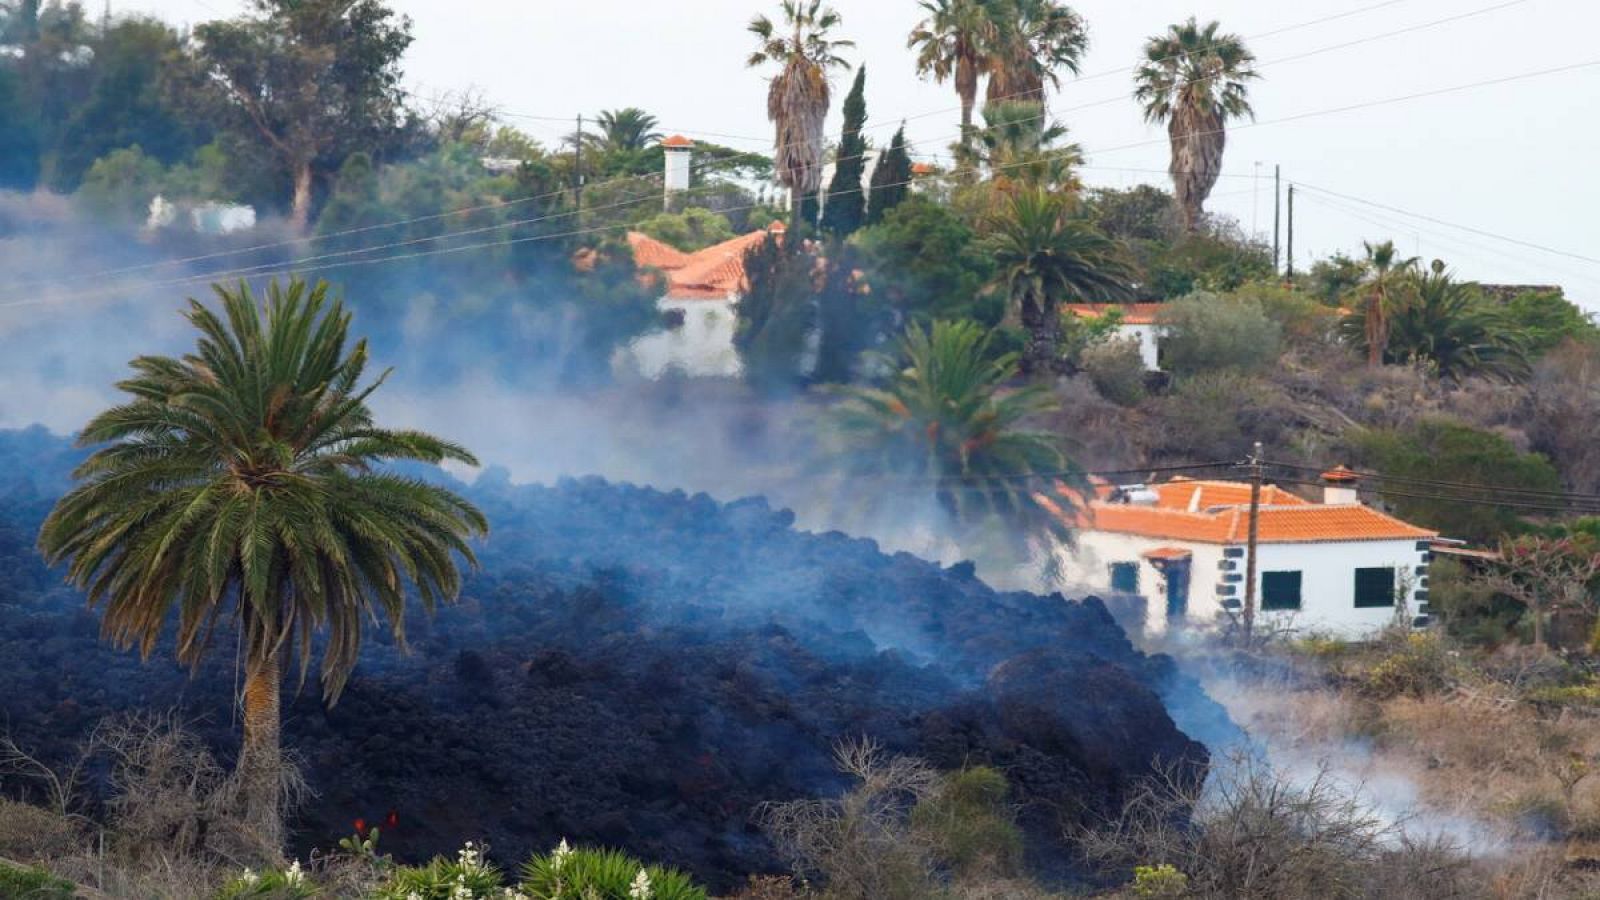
<point>847,200</point>
<point>891,181</point>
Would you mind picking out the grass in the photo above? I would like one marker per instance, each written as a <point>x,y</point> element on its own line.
<point>27,883</point>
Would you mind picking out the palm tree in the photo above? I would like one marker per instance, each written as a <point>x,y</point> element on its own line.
<point>797,97</point>
<point>1035,39</point>
<point>1384,274</point>
<point>1194,79</point>
<point>1446,325</point>
<point>946,421</point>
<point>1046,256</point>
<point>240,485</point>
<point>624,130</point>
<point>1015,145</point>
<point>953,43</point>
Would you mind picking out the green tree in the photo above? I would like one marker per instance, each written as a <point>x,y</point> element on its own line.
<point>1385,275</point>
<point>946,422</point>
<point>1207,333</point>
<point>777,311</point>
<point>356,203</point>
<point>953,43</point>
<point>310,80</point>
<point>1548,319</point>
<point>1033,41</point>
<point>1046,256</point>
<point>850,317</point>
<point>1447,326</point>
<point>121,185</point>
<point>624,130</point>
<point>847,196</point>
<point>923,260</point>
<point>693,229</point>
<point>798,96</point>
<point>891,180</point>
<point>1142,213</point>
<point>1194,79</point>
<point>1435,449</point>
<point>1017,145</point>
<point>243,483</point>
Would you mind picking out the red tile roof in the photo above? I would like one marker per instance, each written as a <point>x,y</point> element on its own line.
<point>1132,313</point>
<point>715,273</point>
<point>677,140</point>
<point>1285,519</point>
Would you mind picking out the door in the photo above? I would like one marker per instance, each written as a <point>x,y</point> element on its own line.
<point>1177,573</point>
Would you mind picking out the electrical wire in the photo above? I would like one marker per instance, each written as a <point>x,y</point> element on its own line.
<point>1477,486</point>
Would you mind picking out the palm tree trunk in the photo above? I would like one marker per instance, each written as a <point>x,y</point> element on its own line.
<point>1043,341</point>
<point>1377,334</point>
<point>300,211</point>
<point>260,766</point>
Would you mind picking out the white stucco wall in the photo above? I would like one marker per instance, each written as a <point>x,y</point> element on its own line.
<point>701,346</point>
<point>1146,336</point>
<point>1327,587</point>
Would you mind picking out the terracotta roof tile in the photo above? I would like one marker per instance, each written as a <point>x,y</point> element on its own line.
<point>677,140</point>
<point>1132,313</point>
<point>651,253</point>
<point>715,273</point>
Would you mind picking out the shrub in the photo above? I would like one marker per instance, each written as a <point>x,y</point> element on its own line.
<point>968,824</point>
<point>1161,882</point>
<point>284,884</point>
<point>33,884</point>
<point>1418,666</point>
<point>1117,370</point>
<point>603,874</point>
<point>467,877</point>
<point>1207,333</point>
<point>31,832</point>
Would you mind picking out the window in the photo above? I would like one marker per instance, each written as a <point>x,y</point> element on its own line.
<point>1374,587</point>
<point>1280,590</point>
<point>1125,577</point>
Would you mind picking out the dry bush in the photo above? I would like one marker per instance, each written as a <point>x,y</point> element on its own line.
<point>33,834</point>
<point>769,887</point>
<point>1249,833</point>
<point>860,844</point>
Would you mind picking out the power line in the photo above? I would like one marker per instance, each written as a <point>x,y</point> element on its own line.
<point>1470,501</point>
<point>1478,486</point>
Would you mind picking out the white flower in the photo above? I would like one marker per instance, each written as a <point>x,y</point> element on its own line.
<point>559,857</point>
<point>250,878</point>
<point>294,876</point>
<point>512,894</point>
<point>641,886</point>
<point>469,857</point>
<point>413,896</point>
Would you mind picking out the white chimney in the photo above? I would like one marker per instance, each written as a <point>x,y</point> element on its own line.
<point>679,152</point>
<point>1339,486</point>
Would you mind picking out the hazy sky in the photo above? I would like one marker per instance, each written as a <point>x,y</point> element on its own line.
<point>1513,159</point>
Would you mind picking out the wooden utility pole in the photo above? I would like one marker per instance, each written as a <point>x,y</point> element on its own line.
<point>577,166</point>
<point>1257,472</point>
<point>1291,232</point>
<point>1277,214</point>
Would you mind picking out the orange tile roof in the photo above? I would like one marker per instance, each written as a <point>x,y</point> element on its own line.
<point>1286,520</point>
<point>715,273</point>
<point>677,140</point>
<point>1132,313</point>
<point>1198,495</point>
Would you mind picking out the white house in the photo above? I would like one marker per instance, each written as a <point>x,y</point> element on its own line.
<point>1138,323</point>
<point>1337,566</point>
<point>697,303</point>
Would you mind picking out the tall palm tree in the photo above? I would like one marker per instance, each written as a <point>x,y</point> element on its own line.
<point>1385,274</point>
<point>1034,40</point>
<point>798,96</point>
<point>947,421</point>
<point>953,43</point>
<point>1446,325</point>
<point>1195,80</point>
<point>624,130</point>
<point>1045,256</point>
<point>241,484</point>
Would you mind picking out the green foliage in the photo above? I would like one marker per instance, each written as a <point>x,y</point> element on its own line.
<point>1200,261</point>
<point>849,317</point>
<point>777,311</point>
<point>1440,449</point>
<point>1079,333</point>
<point>567,874</point>
<point>467,877</point>
<point>121,185</point>
<point>1331,280</point>
<point>1416,665</point>
<point>1210,333</point>
<point>1142,213</point>
<point>1301,317</point>
<point>1117,369</point>
<point>27,883</point>
<point>1446,326</point>
<point>276,884</point>
<point>922,260</point>
<point>945,421</point>
<point>969,823</point>
<point>1547,319</point>
<point>1163,882</point>
<point>693,229</point>
<point>891,181</point>
<point>1017,146</point>
<point>847,195</point>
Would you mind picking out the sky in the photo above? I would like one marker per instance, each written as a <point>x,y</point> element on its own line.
<point>1510,161</point>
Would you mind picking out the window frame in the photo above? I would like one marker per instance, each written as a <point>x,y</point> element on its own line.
<point>1388,590</point>
<point>1118,567</point>
<point>1299,590</point>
